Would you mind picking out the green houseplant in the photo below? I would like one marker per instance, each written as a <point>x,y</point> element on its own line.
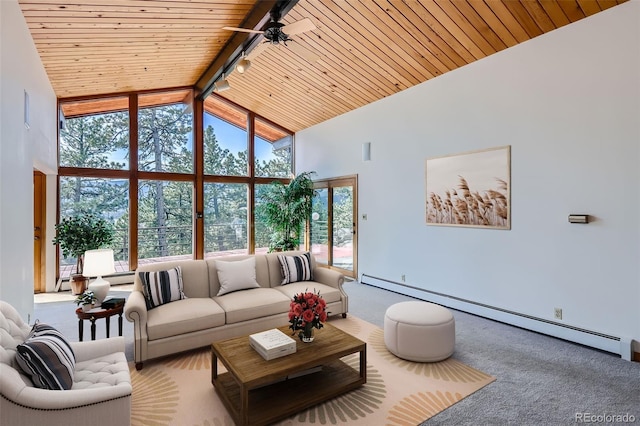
<point>286,208</point>
<point>77,234</point>
<point>87,299</point>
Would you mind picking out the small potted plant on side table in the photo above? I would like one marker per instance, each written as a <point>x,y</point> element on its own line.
<point>87,299</point>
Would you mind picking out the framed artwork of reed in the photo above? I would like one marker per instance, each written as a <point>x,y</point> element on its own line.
<point>471,189</point>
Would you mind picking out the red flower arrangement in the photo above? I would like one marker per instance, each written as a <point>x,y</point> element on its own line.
<point>307,311</point>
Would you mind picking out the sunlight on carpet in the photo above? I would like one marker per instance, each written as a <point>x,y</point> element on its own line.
<point>177,390</point>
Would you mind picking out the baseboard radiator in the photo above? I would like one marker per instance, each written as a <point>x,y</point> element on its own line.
<point>605,342</point>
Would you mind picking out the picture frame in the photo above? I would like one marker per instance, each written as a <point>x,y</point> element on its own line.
<point>470,189</point>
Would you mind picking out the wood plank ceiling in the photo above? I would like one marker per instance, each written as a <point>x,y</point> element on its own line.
<point>361,50</point>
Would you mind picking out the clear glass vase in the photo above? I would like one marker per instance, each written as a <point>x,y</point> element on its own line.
<point>306,334</point>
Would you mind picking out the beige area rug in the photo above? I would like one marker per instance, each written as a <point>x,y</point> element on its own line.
<point>177,390</point>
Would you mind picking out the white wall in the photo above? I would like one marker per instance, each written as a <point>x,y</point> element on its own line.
<point>568,103</point>
<point>22,150</point>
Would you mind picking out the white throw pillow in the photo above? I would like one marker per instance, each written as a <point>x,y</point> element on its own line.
<point>234,276</point>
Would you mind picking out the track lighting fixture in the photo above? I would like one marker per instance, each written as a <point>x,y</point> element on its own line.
<point>243,64</point>
<point>221,85</point>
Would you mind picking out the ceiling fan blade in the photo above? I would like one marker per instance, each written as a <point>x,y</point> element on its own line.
<point>244,30</point>
<point>299,27</point>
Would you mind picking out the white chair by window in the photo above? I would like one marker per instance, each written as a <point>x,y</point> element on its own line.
<point>100,386</point>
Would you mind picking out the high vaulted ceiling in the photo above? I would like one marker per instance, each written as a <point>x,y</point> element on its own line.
<point>360,51</point>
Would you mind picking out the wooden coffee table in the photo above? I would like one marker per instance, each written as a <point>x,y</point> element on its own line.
<point>258,392</point>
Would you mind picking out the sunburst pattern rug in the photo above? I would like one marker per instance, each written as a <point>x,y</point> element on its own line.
<point>177,390</point>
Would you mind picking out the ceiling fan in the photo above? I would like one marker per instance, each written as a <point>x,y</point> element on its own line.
<point>276,32</point>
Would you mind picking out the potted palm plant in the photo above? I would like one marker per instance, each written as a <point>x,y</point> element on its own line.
<point>286,208</point>
<point>77,234</point>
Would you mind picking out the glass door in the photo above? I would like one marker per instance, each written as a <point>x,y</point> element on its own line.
<point>333,224</point>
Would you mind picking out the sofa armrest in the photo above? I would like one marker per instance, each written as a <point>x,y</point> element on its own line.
<point>45,399</point>
<point>97,348</point>
<point>135,311</point>
<point>135,308</point>
<point>329,277</point>
<point>334,279</point>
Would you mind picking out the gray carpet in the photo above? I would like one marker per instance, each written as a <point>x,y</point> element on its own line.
<point>62,315</point>
<point>540,380</point>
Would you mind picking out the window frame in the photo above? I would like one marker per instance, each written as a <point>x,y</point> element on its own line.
<point>197,178</point>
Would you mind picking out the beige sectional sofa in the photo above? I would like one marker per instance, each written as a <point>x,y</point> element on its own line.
<point>204,317</point>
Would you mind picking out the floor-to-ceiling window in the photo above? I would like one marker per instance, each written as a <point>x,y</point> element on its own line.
<point>273,158</point>
<point>242,154</point>
<point>165,201</point>
<point>174,184</point>
<point>93,169</point>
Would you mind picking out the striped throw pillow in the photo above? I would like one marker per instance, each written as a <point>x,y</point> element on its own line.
<point>47,358</point>
<point>162,287</point>
<point>295,268</point>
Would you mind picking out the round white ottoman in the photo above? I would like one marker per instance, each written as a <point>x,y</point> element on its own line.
<point>419,331</point>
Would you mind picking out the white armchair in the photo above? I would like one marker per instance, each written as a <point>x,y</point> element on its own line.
<point>101,390</point>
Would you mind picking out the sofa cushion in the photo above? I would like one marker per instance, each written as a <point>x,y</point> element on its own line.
<point>184,316</point>
<point>295,268</point>
<point>253,303</point>
<point>162,287</point>
<point>328,293</point>
<point>104,371</point>
<point>234,276</point>
<point>47,357</point>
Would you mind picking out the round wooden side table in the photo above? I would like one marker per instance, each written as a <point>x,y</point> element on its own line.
<point>95,314</point>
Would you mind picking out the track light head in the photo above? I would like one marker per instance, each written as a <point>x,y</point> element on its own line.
<point>243,64</point>
<point>221,85</point>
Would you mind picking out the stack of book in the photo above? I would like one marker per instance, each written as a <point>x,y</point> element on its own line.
<point>112,302</point>
<point>272,344</point>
